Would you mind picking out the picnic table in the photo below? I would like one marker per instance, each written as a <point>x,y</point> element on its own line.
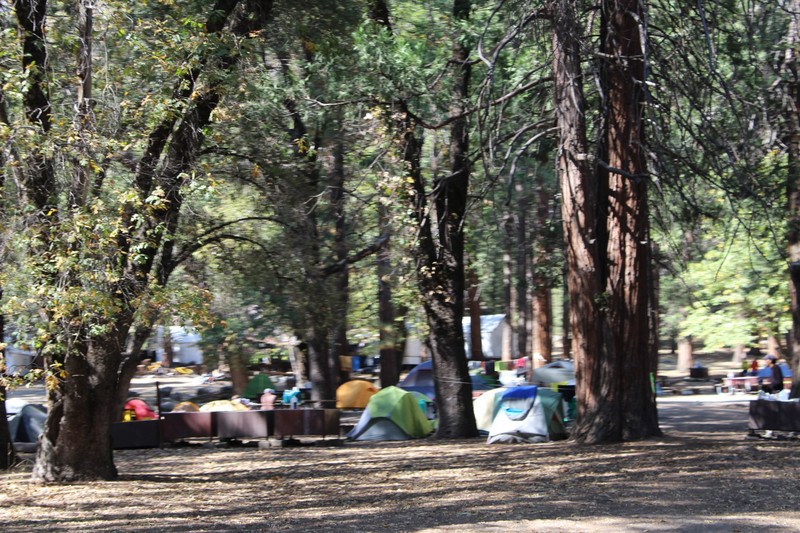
<point>739,383</point>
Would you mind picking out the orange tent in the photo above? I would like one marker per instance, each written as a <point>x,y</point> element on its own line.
<point>354,394</point>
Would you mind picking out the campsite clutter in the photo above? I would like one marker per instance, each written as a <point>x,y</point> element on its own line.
<point>407,411</point>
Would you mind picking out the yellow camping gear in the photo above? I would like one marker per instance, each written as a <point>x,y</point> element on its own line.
<point>186,407</point>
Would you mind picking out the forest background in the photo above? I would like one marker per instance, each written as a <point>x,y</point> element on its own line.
<point>339,171</point>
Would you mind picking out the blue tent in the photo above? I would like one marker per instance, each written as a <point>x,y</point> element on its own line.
<point>26,426</point>
<point>528,414</point>
<point>420,379</point>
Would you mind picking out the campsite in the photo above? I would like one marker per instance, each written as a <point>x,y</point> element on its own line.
<point>704,474</point>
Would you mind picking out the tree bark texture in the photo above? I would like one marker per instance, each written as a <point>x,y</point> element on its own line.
<point>444,292</point>
<point>523,274</point>
<point>391,358</point>
<point>341,287</point>
<point>583,232</point>
<point>685,354</point>
<point>566,327</point>
<point>509,290</point>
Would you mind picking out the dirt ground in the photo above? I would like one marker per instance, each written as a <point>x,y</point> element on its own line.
<point>704,474</point>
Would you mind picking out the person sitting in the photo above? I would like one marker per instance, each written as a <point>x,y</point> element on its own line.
<point>775,384</point>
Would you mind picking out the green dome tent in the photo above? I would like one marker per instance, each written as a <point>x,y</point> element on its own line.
<point>256,385</point>
<point>392,414</point>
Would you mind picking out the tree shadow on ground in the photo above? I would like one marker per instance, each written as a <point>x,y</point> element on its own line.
<point>701,476</point>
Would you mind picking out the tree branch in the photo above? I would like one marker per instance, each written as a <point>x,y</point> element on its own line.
<point>339,266</point>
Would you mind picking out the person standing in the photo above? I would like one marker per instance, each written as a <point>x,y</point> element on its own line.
<point>775,384</point>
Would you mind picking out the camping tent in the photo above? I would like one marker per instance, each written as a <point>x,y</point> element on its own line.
<point>222,405</point>
<point>27,424</point>
<point>420,379</point>
<point>141,409</point>
<point>354,394</point>
<point>492,327</point>
<point>485,408</point>
<point>255,387</point>
<point>556,372</point>
<point>528,414</point>
<point>392,414</point>
<point>185,407</point>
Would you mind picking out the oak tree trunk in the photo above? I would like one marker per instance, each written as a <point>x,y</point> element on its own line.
<point>237,363</point>
<point>75,443</point>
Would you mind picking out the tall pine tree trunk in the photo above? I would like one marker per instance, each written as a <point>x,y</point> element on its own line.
<point>390,366</point>
<point>606,229</point>
<point>542,293</point>
<point>509,290</point>
<point>791,70</point>
<point>583,231</point>
<point>474,307</point>
<point>339,346</point>
<point>627,269</point>
<point>523,273</point>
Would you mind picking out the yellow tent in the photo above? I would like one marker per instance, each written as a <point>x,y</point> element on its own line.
<point>185,407</point>
<point>354,394</point>
<point>223,405</point>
